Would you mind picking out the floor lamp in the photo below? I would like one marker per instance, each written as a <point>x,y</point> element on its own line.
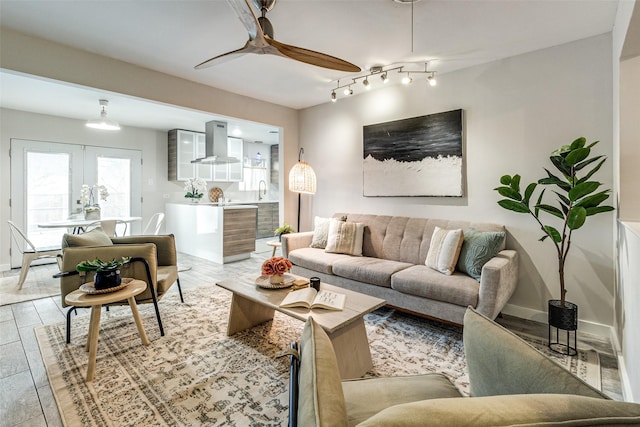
<point>302,179</point>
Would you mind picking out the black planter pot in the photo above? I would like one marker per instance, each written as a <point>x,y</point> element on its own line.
<point>565,318</point>
<point>107,279</point>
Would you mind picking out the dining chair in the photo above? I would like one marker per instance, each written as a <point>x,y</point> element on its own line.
<point>154,224</point>
<point>29,251</point>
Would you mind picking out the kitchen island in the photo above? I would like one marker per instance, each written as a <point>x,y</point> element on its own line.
<point>220,234</point>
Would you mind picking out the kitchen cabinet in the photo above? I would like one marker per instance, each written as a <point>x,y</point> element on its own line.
<point>268,219</point>
<point>184,146</point>
<point>230,172</point>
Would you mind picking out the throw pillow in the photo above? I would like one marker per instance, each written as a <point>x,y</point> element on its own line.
<point>95,237</point>
<point>478,248</point>
<point>321,231</point>
<point>444,250</point>
<point>345,237</point>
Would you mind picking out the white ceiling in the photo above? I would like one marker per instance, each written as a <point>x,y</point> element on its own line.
<point>172,36</point>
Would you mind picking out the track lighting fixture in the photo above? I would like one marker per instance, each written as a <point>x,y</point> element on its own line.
<point>102,122</point>
<point>384,77</point>
<point>432,79</point>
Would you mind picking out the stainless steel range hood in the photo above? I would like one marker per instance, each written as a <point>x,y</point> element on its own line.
<point>216,145</point>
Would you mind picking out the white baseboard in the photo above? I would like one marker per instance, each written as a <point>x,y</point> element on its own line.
<point>5,267</point>
<point>627,394</point>
<point>541,316</point>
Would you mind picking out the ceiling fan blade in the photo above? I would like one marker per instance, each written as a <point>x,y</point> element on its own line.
<point>245,13</point>
<point>312,57</point>
<point>221,59</point>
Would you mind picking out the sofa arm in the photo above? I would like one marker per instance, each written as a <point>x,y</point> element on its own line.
<point>165,244</point>
<point>498,281</point>
<point>294,241</point>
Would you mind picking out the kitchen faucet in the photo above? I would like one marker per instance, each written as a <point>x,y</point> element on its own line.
<point>260,193</point>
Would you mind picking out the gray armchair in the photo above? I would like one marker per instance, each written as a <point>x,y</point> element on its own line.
<point>153,260</point>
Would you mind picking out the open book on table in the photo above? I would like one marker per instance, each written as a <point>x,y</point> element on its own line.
<point>310,298</point>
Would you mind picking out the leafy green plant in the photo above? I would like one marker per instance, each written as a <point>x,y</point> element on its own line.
<point>98,265</point>
<point>285,229</point>
<point>577,197</point>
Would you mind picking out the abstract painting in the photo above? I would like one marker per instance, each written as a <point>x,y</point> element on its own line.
<point>420,156</point>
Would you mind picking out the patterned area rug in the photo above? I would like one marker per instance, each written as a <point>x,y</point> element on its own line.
<point>196,375</point>
<point>39,284</point>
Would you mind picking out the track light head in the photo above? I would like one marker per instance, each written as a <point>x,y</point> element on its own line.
<point>348,91</point>
<point>366,84</point>
<point>407,79</point>
<point>333,96</point>
<point>432,79</point>
<point>384,77</point>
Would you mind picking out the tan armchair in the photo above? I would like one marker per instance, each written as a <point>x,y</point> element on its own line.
<point>153,260</point>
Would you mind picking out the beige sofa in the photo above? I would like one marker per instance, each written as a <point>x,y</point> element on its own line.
<point>393,267</point>
<point>511,384</point>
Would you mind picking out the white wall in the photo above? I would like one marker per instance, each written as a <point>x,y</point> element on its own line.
<point>517,110</point>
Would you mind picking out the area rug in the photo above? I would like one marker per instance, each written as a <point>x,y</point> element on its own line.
<point>196,375</point>
<point>39,284</point>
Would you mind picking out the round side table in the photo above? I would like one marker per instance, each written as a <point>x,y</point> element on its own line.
<point>80,298</point>
<point>275,245</point>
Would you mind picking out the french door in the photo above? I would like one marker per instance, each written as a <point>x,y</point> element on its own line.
<point>47,177</point>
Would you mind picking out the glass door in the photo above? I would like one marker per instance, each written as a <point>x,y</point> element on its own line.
<point>46,182</point>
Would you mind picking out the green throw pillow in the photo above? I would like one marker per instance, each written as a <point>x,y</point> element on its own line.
<point>478,248</point>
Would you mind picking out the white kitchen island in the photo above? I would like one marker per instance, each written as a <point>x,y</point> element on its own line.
<point>220,234</point>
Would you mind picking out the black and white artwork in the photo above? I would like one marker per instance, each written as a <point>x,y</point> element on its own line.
<point>420,156</point>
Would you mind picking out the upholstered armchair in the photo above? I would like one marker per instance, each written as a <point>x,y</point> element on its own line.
<point>153,260</point>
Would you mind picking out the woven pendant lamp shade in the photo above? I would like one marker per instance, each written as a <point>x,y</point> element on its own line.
<point>302,178</point>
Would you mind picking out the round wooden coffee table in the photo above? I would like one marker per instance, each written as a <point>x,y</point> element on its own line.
<point>80,298</point>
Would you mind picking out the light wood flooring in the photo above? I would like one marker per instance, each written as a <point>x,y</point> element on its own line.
<point>26,398</point>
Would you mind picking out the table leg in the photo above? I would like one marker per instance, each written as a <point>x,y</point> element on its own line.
<point>136,317</point>
<point>274,252</point>
<point>94,330</point>
<point>352,350</point>
<point>91,322</point>
<point>245,314</point>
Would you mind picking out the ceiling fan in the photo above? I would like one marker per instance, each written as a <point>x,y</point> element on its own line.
<point>261,41</point>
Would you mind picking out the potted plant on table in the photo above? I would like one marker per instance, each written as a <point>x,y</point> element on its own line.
<point>285,229</point>
<point>578,197</point>
<point>107,272</point>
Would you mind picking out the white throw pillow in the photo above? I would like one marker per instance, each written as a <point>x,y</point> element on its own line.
<point>444,250</point>
<point>320,232</point>
<point>345,237</point>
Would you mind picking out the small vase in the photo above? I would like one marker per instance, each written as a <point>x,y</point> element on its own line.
<point>193,200</point>
<point>106,279</point>
<point>276,279</point>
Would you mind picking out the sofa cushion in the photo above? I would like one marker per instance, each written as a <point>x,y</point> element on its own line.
<point>321,400</point>
<point>374,271</point>
<point>423,281</point>
<point>444,249</point>
<point>359,393</point>
<point>520,410</point>
<point>478,248</point>
<point>345,237</point>
<point>95,237</point>
<point>315,259</point>
<point>320,232</point>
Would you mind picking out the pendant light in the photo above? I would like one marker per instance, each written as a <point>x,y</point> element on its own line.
<point>102,122</point>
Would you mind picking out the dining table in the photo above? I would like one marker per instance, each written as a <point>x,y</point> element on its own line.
<point>77,225</point>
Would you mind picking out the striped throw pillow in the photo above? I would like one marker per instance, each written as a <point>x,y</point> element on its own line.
<point>345,237</point>
<point>444,250</point>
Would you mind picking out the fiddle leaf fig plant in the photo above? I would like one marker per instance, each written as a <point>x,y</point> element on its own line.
<point>577,197</point>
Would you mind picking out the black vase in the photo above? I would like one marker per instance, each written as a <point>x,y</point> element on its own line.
<point>108,278</point>
<point>565,318</point>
